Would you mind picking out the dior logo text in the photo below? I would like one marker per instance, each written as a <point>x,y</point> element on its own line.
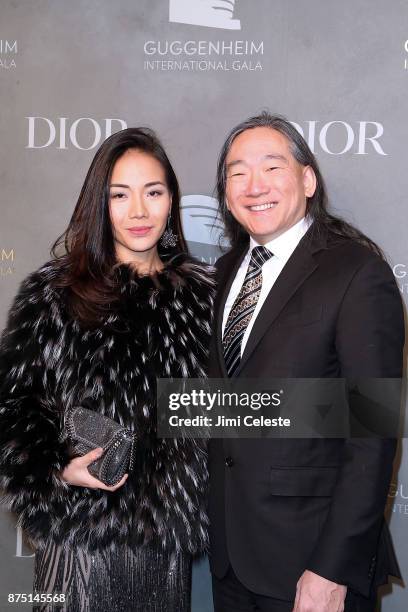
<point>340,137</point>
<point>84,133</point>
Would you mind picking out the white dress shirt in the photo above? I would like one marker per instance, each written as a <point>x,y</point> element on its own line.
<point>282,248</point>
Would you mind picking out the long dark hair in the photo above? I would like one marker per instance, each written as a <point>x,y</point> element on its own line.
<point>85,252</point>
<point>316,205</point>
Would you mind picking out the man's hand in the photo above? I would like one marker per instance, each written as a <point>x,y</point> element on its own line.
<point>317,594</point>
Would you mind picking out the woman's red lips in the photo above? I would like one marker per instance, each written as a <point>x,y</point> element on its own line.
<point>139,231</point>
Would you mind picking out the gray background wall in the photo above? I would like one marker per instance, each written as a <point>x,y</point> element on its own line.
<point>339,70</point>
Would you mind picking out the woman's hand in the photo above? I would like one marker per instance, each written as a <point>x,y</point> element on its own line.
<point>76,473</point>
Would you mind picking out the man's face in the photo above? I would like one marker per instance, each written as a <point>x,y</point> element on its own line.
<point>266,187</point>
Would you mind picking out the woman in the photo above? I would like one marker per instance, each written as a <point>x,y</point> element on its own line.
<point>121,306</point>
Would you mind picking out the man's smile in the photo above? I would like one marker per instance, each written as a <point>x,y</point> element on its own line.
<point>266,206</point>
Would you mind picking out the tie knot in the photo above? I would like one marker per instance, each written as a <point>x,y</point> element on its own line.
<point>259,256</point>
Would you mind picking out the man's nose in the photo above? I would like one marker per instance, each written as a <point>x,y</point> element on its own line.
<point>256,185</point>
<point>138,208</point>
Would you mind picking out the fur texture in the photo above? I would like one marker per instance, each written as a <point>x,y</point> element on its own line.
<point>48,362</point>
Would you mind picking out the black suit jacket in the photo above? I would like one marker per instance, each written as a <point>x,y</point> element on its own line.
<point>278,507</point>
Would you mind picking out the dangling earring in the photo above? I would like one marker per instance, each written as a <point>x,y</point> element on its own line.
<point>169,238</point>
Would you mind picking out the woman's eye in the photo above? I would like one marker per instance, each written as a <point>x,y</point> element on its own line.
<point>238,174</point>
<point>154,193</point>
<point>118,196</point>
<point>272,168</point>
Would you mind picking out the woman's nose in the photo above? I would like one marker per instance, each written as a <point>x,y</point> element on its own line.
<point>138,208</point>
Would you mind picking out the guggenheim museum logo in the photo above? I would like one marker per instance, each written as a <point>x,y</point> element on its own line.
<point>201,220</point>
<point>208,13</point>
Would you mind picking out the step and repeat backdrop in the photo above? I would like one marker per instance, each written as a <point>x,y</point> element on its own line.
<point>72,73</point>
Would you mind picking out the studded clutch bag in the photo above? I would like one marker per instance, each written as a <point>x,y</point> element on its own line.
<point>88,430</point>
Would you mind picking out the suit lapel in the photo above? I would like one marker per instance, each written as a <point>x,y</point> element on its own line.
<point>298,268</point>
<point>226,279</point>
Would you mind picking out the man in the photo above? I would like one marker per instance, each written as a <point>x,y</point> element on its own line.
<point>297,524</point>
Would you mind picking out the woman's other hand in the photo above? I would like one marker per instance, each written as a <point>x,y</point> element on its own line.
<point>76,473</point>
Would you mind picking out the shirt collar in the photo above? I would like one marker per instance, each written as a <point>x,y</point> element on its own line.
<point>283,246</point>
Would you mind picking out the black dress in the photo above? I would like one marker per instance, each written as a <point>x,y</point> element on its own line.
<point>146,579</point>
<point>128,550</point>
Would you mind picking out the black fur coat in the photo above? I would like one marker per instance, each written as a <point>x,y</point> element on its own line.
<point>49,363</point>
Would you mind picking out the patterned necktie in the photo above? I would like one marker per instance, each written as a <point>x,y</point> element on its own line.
<point>243,309</point>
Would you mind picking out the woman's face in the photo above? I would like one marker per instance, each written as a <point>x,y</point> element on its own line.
<point>139,205</point>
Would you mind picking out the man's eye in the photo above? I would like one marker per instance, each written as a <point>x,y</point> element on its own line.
<point>272,168</point>
<point>238,174</point>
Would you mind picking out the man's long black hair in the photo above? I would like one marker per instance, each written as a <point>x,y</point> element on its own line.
<point>316,206</point>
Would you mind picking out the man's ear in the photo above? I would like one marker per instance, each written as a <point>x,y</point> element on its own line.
<point>309,181</point>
